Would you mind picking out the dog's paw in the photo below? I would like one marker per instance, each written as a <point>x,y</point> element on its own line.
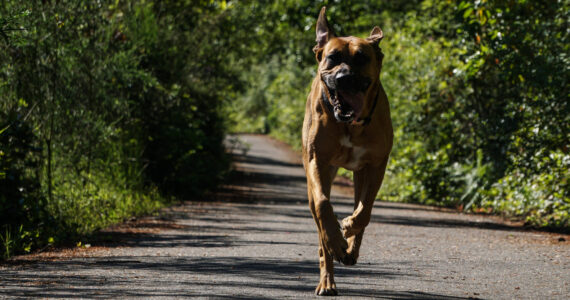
<point>337,249</point>
<point>347,227</point>
<point>326,287</point>
<point>335,244</point>
<point>349,259</point>
<point>353,249</point>
<point>326,292</point>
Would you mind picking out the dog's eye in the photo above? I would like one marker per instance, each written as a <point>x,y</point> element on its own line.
<point>360,58</point>
<point>333,58</point>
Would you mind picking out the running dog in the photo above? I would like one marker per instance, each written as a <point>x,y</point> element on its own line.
<point>347,124</point>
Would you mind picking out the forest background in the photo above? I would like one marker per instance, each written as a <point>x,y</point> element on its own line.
<point>112,109</point>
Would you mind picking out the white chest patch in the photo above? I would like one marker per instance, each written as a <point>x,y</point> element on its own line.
<point>345,141</point>
<point>356,153</point>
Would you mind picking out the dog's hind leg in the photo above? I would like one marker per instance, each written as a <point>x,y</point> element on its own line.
<point>367,182</point>
<point>353,248</point>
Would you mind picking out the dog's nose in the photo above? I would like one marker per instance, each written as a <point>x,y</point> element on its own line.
<point>345,81</point>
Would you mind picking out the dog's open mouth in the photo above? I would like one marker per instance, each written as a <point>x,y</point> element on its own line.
<point>347,106</point>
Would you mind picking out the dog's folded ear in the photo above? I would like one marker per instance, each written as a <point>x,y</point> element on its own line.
<point>375,36</point>
<point>324,32</point>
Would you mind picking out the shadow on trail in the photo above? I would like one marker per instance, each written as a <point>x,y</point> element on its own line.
<point>441,223</point>
<point>258,160</point>
<point>266,197</point>
<point>183,240</point>
<point>265,275</point>
<point>278,188</point>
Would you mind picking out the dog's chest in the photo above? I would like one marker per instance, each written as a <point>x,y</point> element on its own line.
<point>350,156</point>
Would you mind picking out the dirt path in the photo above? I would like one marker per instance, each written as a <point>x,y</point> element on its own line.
<point>258,241</point>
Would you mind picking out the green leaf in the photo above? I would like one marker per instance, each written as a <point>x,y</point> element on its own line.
<point>467,12</point>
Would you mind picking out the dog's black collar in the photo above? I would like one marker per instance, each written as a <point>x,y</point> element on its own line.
<point>365,121</point>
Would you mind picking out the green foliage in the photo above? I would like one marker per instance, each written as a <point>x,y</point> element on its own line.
<point>277,101</point>
<point>286,98</point>
<point>542,197</point>
<point>493,112</point>
<point>20,197</point>
<point>107,111</point>
<point>478,92</point>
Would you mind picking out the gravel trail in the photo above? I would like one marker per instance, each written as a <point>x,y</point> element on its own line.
<point>255,239</point>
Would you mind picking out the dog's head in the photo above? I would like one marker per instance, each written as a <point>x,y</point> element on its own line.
<point>349,67</point>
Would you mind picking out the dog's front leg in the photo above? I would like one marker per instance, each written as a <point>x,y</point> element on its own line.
<point>331,242</point>
<point>367,182</point>
<point>319,178</point>
<point>326,286</point>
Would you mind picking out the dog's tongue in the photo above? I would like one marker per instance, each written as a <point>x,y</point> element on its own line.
<point>354,100</point>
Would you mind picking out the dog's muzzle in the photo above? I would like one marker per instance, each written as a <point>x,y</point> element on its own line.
<point>345,94</point>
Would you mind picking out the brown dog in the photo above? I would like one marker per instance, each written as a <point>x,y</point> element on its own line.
<point>347,124</point>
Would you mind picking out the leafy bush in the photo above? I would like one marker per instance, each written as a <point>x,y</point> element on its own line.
<point>107,111</point>
<point>20,197</point>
